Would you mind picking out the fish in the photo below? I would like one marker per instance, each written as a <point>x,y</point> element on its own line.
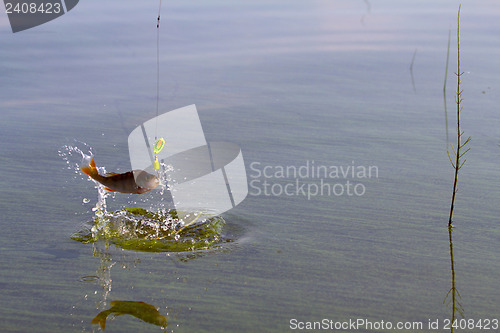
<point>141,310</point>
<point>135,181</point>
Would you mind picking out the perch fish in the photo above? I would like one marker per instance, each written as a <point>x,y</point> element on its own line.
<point>136,181</point>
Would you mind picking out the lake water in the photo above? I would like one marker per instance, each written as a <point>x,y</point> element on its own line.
<point>298,85</point>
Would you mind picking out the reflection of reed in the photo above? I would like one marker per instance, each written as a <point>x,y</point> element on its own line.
<point>453,293</point>
<point>368,6</point>
<point>411,71</point>
<point>444,91</point>
<point>368,10</point>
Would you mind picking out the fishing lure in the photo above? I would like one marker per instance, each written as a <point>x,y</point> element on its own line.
<point>157,148</point>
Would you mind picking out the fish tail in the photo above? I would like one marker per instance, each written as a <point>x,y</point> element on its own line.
<point>90,169</point>
<point>100,319</point>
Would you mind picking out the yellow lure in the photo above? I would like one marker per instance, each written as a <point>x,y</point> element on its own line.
<point>156,164</point>
<point>159,145</point>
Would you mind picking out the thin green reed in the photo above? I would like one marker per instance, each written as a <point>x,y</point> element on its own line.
<point>457,163</point>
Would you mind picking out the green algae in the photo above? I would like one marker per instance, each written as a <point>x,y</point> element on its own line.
<point>141,230</point>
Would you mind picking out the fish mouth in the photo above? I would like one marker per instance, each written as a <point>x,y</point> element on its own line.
<point>146,180</point>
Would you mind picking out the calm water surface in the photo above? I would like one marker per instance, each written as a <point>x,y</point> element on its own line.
<point>293,83</point>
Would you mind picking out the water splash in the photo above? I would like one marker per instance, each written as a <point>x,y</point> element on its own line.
<point>74,156</point>
<point>155,228</point>
<point>141,230</point>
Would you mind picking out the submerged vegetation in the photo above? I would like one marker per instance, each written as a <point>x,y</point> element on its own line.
<point>140,230</point>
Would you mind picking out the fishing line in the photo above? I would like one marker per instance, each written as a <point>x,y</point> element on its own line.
<point>157,65</point>
<point>159,143</point>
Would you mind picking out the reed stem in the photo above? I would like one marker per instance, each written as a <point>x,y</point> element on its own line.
<point>457,163</point>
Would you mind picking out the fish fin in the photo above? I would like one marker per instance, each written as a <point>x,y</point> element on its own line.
<point>110,189</point>
<point>90,170</point>
<point>100,319</point>
<point>109,174</point>
<point>86,170</point>
<point>141,190</point>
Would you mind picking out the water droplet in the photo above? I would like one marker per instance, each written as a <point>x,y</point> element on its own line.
<point>85,200</point>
